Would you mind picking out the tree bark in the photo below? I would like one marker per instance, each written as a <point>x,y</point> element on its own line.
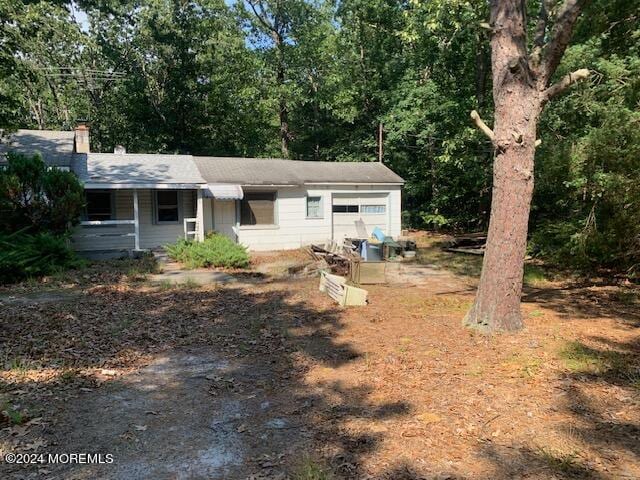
<point>520,91</point>
<point>517,107</point>
<point>482,71</point>
<point>283,111</point>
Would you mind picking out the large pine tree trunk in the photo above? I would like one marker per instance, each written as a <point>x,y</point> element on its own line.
<point>497,303</point>
<point>521,87</point>
<point>517,107</point>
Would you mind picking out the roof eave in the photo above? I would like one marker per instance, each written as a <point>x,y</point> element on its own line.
<point>148,185</point>
<point>357,183</point>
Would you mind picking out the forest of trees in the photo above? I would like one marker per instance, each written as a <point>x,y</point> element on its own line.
<point>314,80</point>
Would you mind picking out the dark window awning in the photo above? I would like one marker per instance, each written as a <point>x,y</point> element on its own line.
<point>224,191</point>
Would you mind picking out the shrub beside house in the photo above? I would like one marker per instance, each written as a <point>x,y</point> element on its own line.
<point>215,251</point>
<point>39,207</point>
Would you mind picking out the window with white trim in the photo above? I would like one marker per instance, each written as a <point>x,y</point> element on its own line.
<point>166,206</point>
<point>373,209</point>
<point>258,208</point>
<point>314,207</point>
<point>98,205</point>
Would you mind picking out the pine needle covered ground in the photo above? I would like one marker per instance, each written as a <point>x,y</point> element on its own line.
<point>269,379</point>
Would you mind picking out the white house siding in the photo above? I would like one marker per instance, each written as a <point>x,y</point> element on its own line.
<point>294,229</point>
<point>151,234</point>
<point>110,238</point>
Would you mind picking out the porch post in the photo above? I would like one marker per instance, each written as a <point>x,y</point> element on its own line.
<point>200,216</point>
<point>136,220</point>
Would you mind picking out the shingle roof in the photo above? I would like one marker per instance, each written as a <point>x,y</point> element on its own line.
<point>55,146</point>
<point>273,171</point>
<point>132,168</point>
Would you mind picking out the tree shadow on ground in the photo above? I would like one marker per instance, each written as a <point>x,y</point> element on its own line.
<point>272,338</point>
<point>613,367</point>
<point>581,301</point>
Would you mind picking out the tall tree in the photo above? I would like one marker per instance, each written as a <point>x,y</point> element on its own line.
<point>521,87</point>
<point>274,20</point>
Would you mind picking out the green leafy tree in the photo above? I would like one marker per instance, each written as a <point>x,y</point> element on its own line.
<point>36,199</point>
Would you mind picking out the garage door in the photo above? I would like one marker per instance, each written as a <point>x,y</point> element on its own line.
<point>356,215</point>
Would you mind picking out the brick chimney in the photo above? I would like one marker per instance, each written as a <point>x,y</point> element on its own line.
<point>81,142</point>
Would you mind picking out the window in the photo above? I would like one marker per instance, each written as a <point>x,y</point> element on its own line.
<point>99,206</point>
<point>373,208</point>
<point>314,207</point>
<point>167,210</point>
<point>345,209</point>
<point>258,208</point>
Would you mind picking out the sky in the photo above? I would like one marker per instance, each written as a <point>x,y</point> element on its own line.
<point>80,16</point>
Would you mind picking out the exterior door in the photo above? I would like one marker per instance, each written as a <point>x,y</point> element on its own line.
<point>224,217</point>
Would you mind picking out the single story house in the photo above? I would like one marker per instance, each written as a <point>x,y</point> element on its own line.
<point>144,201</point>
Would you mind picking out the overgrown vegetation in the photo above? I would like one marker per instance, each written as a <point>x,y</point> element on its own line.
<point>215,251</point>
<point>37,199</point>
<point>25,255</point>
<point>209,78</point>
<point>38,207</point>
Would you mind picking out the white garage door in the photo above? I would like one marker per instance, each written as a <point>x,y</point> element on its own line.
<point>356,215</point>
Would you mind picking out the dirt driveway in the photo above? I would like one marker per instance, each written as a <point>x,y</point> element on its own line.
<point>270,379</point>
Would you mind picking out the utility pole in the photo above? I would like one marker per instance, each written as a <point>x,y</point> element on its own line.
<point>380,142</point>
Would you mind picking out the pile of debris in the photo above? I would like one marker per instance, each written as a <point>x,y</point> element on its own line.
<point>473,244</point>
<point>358,262</point>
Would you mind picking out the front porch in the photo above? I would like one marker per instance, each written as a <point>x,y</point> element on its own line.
<point>136,219</point>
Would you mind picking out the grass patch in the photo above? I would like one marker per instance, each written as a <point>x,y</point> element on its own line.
<point>165,285</point>
<point>458,263</point>
<point>188,284</point>
<point>18,365</point>
<point>577,357</point>
<point>535,276</point>
<point>309,469</point>
<point>559,462</point>
<point>140,268</point>
<point>471,265</point>
<point>215,251</point>
<point>12,416</point>
<point>475,370</point>
<point>626,296</point>
<point>526,366</point>
<point>581,358</point>
<point>69,375</point>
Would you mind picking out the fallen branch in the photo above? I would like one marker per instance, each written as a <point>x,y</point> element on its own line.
<point>565,82</point>
<point>481,125</point>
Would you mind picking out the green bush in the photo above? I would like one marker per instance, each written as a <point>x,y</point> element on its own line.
<point>36,198</point>
<point>24,255</point>
<point>215,251</point>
